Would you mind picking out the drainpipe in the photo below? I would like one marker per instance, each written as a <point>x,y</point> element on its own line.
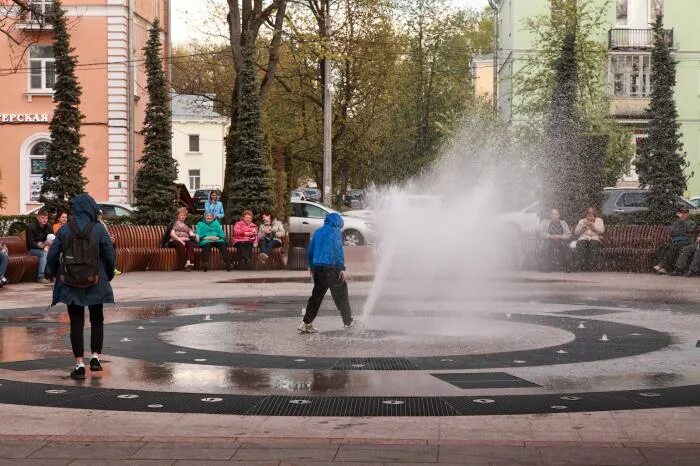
<point>131,155</point>
<point>494,5</point>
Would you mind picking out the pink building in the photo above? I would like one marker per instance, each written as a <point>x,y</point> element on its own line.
<point>108,37</point>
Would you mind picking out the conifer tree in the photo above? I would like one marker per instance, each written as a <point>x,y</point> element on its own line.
<point>250,186</point>
<point>63,179</point>
<point>155,182</point>
<point>661,161</point>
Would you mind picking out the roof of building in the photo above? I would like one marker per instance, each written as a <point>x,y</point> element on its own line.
<point>194,107</point>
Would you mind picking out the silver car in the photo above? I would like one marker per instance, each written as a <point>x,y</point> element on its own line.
<point>307,217</point>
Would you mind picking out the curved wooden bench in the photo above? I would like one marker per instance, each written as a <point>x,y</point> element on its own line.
<point>21,266</point>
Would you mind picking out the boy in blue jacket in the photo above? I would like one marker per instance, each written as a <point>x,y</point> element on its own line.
<point>327,262</point>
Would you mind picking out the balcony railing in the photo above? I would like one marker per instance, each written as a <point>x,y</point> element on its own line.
<point>636,38</point>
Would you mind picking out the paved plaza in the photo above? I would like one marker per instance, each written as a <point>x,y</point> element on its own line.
<point>554,369</point>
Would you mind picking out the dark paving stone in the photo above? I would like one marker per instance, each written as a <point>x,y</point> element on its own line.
<point>26,462</point>
<point>489,455</point>
<point>17,450</point>
<point>89,450</point>
<point>226,463</point>
<point>580,455</point>
<point>93,462</point>
<point>484,380</point>
<point>590,312</point>
<point>302,454</point>
<point>385,453</point>
<point>672,456</point>
<point>184,451</point>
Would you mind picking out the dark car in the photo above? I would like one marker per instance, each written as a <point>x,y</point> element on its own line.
<point>626,201</point>
<point>355,198</point>
<point>201,196</point>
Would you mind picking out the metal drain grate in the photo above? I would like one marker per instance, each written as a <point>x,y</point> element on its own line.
<point>375,364</point>
<point>484,380</point>
<point>353,406</point>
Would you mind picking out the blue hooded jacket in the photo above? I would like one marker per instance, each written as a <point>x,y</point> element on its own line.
<point>326,248</point>
<point>84,211</point>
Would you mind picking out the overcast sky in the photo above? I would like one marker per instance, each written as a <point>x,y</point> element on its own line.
<point>187,19</point>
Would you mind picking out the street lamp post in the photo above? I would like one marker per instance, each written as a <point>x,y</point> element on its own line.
<point>327,114</point>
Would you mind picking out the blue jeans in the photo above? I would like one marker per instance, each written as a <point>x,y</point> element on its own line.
<point>41,254</point>
<point>268,244</point>
<point>3,264</point>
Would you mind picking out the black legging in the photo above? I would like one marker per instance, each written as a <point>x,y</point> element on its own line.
<point>221,246</point>
<point>325,278</point>
<point>77,325</point>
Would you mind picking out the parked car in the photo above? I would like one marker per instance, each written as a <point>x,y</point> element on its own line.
<point>109,209</point>
<point>307,217</point>
<point>526,220</point>
<point>625,201</point>
<point>354,198</point>
<point>298,196</point>
<point>313,194</point>
<point>201,196</point>
<point>695,201</point>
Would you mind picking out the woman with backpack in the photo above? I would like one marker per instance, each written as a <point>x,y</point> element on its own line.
<point>82,260</point>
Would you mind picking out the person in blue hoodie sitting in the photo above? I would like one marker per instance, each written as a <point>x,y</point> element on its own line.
<point>327,263</point>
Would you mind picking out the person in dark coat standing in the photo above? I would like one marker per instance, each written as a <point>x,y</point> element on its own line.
<point>84,212</point>
<point>327,261</point>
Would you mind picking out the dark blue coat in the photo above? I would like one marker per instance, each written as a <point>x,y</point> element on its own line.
<point>84,210</point>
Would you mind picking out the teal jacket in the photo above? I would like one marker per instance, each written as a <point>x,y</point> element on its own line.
<point>205,229</point>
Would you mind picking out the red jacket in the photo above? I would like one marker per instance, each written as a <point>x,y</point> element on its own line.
<point>243,232</point>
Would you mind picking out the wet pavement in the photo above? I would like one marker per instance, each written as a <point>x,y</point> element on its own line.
<point>610,359</point>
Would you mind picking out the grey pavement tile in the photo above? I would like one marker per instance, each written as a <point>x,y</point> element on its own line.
<point>89,450</point>
<point>582,456</point>
<point>154,451</point>
<point>489,455</point>
<point>93,462</point>
<point>302,454</point>
<point>335,463</point>
<point>25,462</point>
<point>672,456</point>
<point>388,453</point>
<point>19,449</point>
<point>227,463</point>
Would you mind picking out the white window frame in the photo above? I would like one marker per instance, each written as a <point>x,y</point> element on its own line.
<point>627,13</point>
<point>43,6</point>
<point>644,83</point>
<point>34,178</point>
<point>43,62</point>
<point>195,180</point>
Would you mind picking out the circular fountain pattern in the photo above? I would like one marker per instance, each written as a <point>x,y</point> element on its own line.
<point>464,373</point>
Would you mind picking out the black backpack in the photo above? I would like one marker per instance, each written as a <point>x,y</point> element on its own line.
<point>81,257</point>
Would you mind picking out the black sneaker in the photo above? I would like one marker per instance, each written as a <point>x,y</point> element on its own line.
<point>675,273</point>
<point>95,365</point>
<point>78,372</point>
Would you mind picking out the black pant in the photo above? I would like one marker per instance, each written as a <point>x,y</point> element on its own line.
<point>554,248</point>
<point>245,250</point>
<point>325,278</point>
<point>670,255</point>
<point>221,246</point>
<point>588,252</point>
<point>77,324</point>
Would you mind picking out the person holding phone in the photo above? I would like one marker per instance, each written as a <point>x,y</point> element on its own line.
<point>245,237</point>
<point>211,235</point>
<point>183,238</point>
<point>270,235</point>
<point>589,244</point>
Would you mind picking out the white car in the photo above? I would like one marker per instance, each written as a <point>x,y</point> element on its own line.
<point>109,209</point>
<point>307,217</point>
<point>526,220</point>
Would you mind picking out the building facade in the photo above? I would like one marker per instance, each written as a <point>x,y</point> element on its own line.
<point>198,142</point>
<point>108,37</point>
<point>629,42</point>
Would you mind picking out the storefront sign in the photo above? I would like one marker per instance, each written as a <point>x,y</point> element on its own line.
<point>24,117</point>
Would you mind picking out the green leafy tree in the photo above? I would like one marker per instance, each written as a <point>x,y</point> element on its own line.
<point>250,186</point>
<point>534,83</point>
<point>65,161</point>
<point>661,162</point>
<point>155,183</point>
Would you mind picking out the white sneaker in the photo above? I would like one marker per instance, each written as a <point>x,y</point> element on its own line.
<point>657,268</point>
<point>264,257</point>
<point>350,327</point>
<point>306,328</point>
